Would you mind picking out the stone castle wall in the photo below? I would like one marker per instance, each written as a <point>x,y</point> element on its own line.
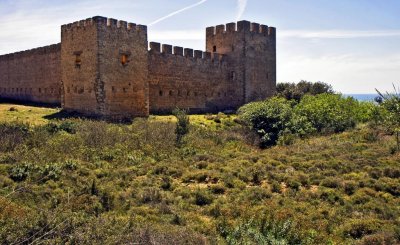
<point>195,80</point>
<point>103,67</point>
<point>33,75</point>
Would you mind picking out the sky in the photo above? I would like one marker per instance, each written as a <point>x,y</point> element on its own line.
<point>354,45</point>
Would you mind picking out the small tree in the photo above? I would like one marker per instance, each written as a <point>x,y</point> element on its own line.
<point>390,102</point>
<point>292,91</point>
<point>182,124</point>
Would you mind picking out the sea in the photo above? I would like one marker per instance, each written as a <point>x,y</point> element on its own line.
<point>363,97</point>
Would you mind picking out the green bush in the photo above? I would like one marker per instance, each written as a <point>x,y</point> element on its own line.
<point>66,126</point>
<point>182,125</point>
<point>292,91</point>
<point>330,182</point>
<point>202,197</point>
<point>20,172</point>
<point>268,118</point>
<point>12,135</point>
<point>264,230</point>
<point>329,112</point>
<point>357,229</point>
<point>391,105</point>
<point>51,171</point>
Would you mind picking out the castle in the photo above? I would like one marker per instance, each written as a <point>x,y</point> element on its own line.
<point>104,67</point>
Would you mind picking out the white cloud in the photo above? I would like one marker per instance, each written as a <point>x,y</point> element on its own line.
<point>241,7</point>
<point>337,34</point>
<point>177,12</point>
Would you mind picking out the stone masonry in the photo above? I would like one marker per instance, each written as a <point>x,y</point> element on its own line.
<point>104,67</point>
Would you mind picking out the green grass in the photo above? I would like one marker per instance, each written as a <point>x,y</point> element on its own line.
<point>28,114</point>
<point>110,183</point>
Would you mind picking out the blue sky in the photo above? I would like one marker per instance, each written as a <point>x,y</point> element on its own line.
<point>352,44</point>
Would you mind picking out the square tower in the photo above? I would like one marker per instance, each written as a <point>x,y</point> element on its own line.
<point>104,67</point>
<point>250,49</point>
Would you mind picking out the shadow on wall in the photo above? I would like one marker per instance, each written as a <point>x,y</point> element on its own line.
<point>63,114</point>
<point>29,103</point>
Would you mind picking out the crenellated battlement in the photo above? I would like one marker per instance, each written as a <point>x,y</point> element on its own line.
<point>167,49</point>
<point>103,21</point>
<point>240,27</point>
<point>30,52</point>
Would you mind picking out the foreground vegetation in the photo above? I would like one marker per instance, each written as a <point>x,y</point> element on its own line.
<point>149,182</point>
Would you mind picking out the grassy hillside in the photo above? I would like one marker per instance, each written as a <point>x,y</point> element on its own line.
<point>91,182</point>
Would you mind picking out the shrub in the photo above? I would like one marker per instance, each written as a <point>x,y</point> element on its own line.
<point>50,172</point>
<point>266,230</point>
<point>182,125</point>
<point>276,187</point>
<point>379,239</point>
<point>13,109</point>
<point>350,187</point>
<point>70,165</point>
<point>20,172</point>
<point>268,118</point>
<point>150,195</point>
<point>328,112</point>
<point>292,91</point>
<point>330,182</point>
<point>256,194</point>
<point>357,229</point>
<point>67,126</point>
<point>218,189</point>
<point>12,135</point>
<point>202,197</point>
<point>391,104</point>
<point>166,183</point>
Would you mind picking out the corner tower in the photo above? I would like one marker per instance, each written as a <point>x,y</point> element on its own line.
<point>251,52</point>
<point>104,68</point>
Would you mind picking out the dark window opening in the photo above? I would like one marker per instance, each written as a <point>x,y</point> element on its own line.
<point>78,60</point>
<point>125,90</point>
<point>170,93</point>
<point>160,93</point>
<point>195,93</point>
<point>233,48</point>
<point>233,76</point>
<point>188,93</point>
<point>40,90</point>
<point>215,49</point>
<point>113,89</point>
<point>179,93</point>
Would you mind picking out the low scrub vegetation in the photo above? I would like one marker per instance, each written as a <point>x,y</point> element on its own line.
<point>329,174</point>
<point>279,120</point>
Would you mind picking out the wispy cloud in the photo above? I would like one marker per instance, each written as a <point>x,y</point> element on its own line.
<point>177,12</point>
<point>337,34</point>
<point>241,7</point>
<point>284,34</point>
